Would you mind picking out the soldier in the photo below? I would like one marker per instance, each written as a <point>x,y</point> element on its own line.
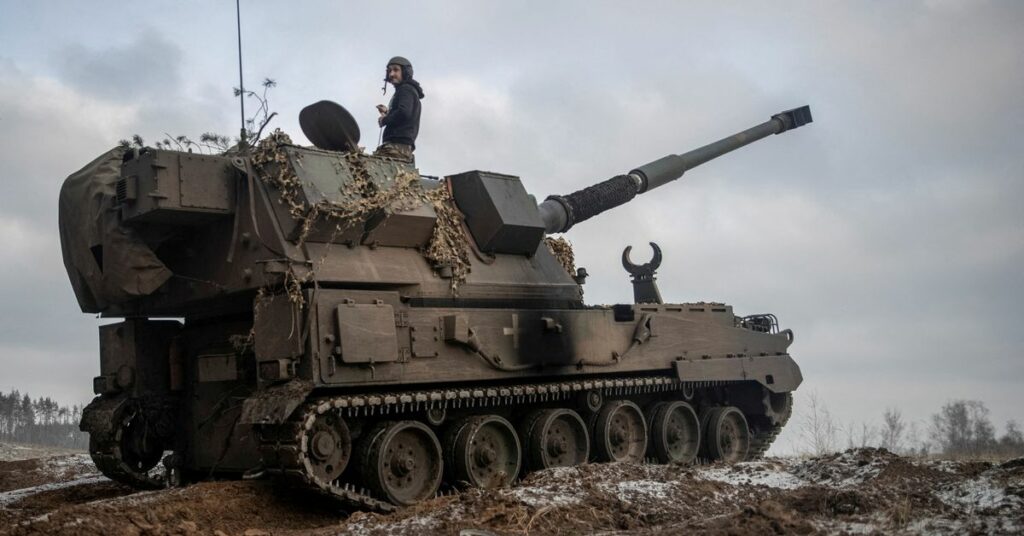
<point>401,119</point>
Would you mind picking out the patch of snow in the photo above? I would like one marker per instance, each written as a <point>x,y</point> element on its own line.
<point>979,494</point>
<point>423,523</point>
<point>946,466</point>
<point>752,473</point>
<point>563,472</point>
<point>79,464</point>
<point>973,525</point>
<point>850,527</point>
<point>641,489</point>
<point>420,524</point>
<point>69,460</point>
<point>844,471</point>
<point>139,498</point>
<point>9,497</point>
<point>538,497</point>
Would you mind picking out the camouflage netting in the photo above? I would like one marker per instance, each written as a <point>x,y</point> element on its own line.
<point>562,250</point>
<point>271,162</point>
<point>448,246</point>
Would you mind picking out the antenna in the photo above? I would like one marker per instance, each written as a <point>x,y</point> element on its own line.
<point>241,83</point>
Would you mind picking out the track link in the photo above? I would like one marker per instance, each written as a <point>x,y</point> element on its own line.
<point>761,441</point>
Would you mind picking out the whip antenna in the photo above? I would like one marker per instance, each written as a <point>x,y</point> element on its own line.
<point>241,83</point>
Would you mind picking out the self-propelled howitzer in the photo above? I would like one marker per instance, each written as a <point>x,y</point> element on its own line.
<point>370,333</point>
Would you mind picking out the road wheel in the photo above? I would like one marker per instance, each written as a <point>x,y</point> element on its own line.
<point>675,433</point>
<point>555,438</point>
<point>482,451</point>
<point>726,435</point>
<point>401,462</point>
<point>620,433</point>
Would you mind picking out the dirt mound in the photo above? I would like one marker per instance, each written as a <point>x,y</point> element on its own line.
<point>859,491</point>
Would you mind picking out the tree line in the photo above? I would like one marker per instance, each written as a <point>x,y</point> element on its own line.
<point>960,429</point>
<point>40,421</point>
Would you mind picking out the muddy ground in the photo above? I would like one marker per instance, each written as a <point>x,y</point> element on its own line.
<point>859,492</point>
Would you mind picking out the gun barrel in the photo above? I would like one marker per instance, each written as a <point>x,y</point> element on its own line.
<point>562,212</point>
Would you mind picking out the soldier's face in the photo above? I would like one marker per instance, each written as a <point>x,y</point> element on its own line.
<point>394,73</point>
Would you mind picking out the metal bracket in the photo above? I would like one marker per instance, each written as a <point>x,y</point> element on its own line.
<point>645,288</point>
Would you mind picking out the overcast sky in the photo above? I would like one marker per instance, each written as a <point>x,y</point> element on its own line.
<point>888,234</point>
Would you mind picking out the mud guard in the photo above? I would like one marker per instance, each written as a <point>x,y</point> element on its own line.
<point>778,373</point>
<point>275,404</point>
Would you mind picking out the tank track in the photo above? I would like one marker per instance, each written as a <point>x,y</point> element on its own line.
<point>108,460</point>
<point>761,441</point>
<point>105,429</point>
<point>286,455</point>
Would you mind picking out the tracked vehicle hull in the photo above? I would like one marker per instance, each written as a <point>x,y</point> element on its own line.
<point>347,326</point>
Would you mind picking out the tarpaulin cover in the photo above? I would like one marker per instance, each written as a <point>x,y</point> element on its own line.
<point>107,263</point>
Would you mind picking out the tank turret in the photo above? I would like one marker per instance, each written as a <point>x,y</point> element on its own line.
<point>561,212</point>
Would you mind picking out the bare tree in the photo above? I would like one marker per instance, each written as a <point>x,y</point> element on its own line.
<point>818,429</point>
<point>893,429</point>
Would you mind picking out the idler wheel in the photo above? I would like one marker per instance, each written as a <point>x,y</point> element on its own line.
<point>555,438</point>
<point>482,451</point>
<point>401,462</point>
<point>675,433</point>
<point>328,445</point>
<point>726,435</point>
<point>139,448</point>
<point>620,433</point>
<point>124,444</point>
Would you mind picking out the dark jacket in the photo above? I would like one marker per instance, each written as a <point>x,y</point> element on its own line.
<point>402,123</point>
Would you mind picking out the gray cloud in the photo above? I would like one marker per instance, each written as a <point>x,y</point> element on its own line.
<point>148,67</point>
